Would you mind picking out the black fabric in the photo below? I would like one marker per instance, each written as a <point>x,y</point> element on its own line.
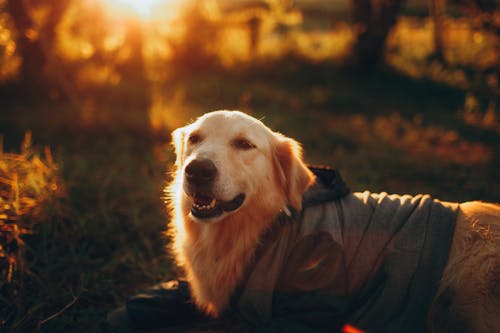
<point>329,186</point>
<point>166,304</point>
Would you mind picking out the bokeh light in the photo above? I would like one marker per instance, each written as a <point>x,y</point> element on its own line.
<point>144,9</point>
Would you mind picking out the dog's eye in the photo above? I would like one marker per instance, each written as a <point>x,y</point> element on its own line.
<point>243,144</point>
<point>194,139</point>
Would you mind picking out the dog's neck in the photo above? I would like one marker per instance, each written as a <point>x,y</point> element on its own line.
<point>217,256</point>
<point>268,236</point>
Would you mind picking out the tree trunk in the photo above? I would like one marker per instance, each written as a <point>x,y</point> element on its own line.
<point>29,46</point>
<point>372,22</point>
<point>437,9</point>
<point>34,43</point>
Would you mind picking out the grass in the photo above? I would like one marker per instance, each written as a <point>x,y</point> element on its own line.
<point>28,182</point>
<point>99,242</point>
<point>29,185</point>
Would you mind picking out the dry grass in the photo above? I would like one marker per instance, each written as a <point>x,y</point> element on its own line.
<point>28,181</point>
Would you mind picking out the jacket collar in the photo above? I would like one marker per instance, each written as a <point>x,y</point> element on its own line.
<point>329,186</point>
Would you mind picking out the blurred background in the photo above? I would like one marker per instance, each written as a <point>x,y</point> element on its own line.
<point>399,96</point>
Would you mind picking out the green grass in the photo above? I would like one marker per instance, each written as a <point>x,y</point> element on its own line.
<point>102,240</point>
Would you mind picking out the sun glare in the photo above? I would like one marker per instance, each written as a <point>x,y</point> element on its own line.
<point>142,8</point>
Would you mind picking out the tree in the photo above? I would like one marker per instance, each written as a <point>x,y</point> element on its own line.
<point>134,97</point>
<point>372,22</point>
<point>35,39</point>
<point>437,10</point>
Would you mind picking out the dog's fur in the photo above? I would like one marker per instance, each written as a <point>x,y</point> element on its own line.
<point>268,169</point>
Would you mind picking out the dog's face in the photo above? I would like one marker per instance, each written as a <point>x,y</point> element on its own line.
<point>226,159</point>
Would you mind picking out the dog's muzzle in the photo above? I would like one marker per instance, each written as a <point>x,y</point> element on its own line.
<point>200,175</point>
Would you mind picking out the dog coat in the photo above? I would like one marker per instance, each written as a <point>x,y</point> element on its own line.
<point>367,259</point>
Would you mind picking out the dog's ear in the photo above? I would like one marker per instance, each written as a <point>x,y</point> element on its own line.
<point>178,143</point>
<point>293,174</point>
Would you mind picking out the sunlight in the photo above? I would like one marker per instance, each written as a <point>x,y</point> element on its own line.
<point>142,8</point>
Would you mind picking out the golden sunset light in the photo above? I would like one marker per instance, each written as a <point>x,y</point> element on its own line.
<point>142,8</point>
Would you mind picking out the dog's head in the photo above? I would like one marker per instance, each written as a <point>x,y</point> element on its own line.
<point>228,160</point>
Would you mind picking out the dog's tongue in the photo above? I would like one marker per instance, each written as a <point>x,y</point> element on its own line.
<point>202,200</point>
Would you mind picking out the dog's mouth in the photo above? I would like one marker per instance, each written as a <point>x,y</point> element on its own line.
<point>206,207</point>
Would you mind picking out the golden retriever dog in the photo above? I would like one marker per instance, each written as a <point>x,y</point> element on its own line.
<point>235,178</point>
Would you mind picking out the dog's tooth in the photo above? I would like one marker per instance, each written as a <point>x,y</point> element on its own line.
<point>205,207</point>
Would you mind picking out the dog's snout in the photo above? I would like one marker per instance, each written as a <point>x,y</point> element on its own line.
<point>201,171</point>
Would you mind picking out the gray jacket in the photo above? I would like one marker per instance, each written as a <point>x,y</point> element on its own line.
<point>371,260</point>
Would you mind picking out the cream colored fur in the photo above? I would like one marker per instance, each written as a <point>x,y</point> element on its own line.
<point>216,253</point>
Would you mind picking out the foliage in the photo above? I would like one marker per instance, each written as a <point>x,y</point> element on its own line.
<point>8,58</point>
<point>28,183</point>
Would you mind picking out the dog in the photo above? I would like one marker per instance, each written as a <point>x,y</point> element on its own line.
<point>248,240</point>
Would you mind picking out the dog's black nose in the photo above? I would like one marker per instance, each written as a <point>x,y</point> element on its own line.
<point>199,172</point>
